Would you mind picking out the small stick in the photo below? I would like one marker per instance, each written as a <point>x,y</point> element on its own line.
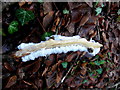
<point>66,74</point>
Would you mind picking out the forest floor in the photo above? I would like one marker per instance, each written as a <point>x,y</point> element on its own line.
<point>26,22</point>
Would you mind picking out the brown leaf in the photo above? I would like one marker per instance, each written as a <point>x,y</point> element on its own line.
<point>44,72</point>
<point>71,28</point>
<point>48,62</point>
<point>76,16</point>
<point>51,60</point>
<point>93,34</point>
<point>85,18</point>
<point>71,56</point>
<point>21,3</point>
<point>57,20</point>
<point>78,11</point>
<point>35,67</point>
<point>47,6</point>
<point>59,76</point>
<point>48,19</point>
<point>8,66</point>
<point>39,83</point>
<point>104,37</point>
<point>50,80</point>
<point>84,64</point>
<point>55,65</point>
<point>11,81</point>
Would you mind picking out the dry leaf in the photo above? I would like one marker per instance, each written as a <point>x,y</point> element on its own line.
<point>85,18</point>
<point>44,72</point>
<point>8,66</point>
<point>48,19</point>
<point>11,81</point>
<point>21,4</point>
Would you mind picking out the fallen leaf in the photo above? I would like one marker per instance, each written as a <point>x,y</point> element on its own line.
<point>47,6</point>
<point>104,37</point>
<point>59,76</point>
<point>48,19</point>
<point>39,83</point>
<point>71,56</point>
<point>85,18</point>
<point>50,80</point>
<point>44,72</point>
<point>21,4</point>
<point>8,66</point>
<point>64,64</point>
<point>11,81</point>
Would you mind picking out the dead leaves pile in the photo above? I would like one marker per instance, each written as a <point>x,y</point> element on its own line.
<point>81,71</point>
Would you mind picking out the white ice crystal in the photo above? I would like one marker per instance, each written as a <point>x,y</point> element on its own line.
<point>44,52</point>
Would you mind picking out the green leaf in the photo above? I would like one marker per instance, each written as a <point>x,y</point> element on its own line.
<point>97,57</point>
<point>40,1</point>
<point>98,10</point>
<point>97,62</point>
<point>95,76</point>
<point>118,12</point>
<point>102,61</point>
<point>91,73</point>
<point>64,64</point>
<point>65,11</point>
<point>84,81</point>
<point>102,5</point>
<point>92,63</point>
<point>24,16</point>
<point>99,71</point>
<point>46,34</point>
<point>13,27</point>
<point>96,3</point>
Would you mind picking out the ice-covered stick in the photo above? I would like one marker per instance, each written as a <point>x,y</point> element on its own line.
<point>60,44</point>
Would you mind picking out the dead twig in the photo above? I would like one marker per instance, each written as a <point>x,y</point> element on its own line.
<point>66,74</point>
<point>116,85</point>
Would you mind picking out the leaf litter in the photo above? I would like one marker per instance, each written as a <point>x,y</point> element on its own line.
<point>73,70</point>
